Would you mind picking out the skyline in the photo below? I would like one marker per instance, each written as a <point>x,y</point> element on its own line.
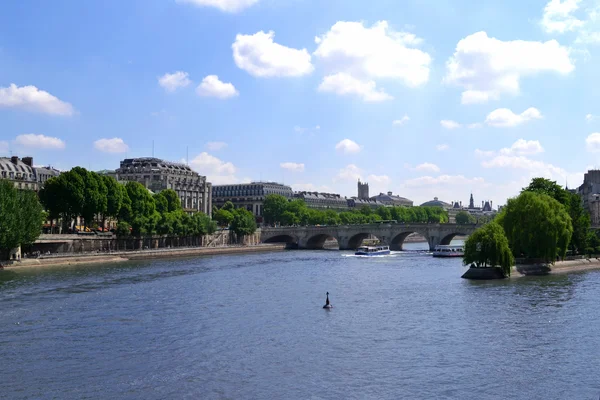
<point>427,99</point>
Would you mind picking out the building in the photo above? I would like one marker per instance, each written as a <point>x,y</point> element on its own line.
<point>317,200</point>
<point>390,199</point>
<point>24,174</point>
<point>158,175</point>
<point>589,188</point>
<point>437,203</point>
<point>363,190</point>
<point>356,203</point>
<point>250,196</point>
<point>594,208</point>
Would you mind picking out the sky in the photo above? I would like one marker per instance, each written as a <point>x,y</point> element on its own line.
<point>423,98</point>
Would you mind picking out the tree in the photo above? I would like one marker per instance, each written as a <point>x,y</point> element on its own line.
<point>537,226</point>
<point>548,187</point>
<point>21,218</point>
<point>123,229</point>
<point>488,246</point>
<point>64,196</point>
<point>223,217</point>
<point>143,216</point>
<point>289,218</point>
<point>202,224</point>
<point>273,208</point>
<point>114,197</point>
<point>463,217</point>
<point>384,212</point>
<point>228,206</point>
<point>243,222</point>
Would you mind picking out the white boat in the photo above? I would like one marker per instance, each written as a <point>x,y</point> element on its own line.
<point>372,250</point>
<point>448,251</point>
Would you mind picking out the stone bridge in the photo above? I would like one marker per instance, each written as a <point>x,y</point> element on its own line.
<point>350,237</point>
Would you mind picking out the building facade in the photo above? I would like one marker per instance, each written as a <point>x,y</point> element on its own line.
<point>23,174</point>
<point>363,190</point>
<point>158,175</point>
<point>323,201</point>
<point>250,196</point>
<point>390,199</point>
<point>589,188</point>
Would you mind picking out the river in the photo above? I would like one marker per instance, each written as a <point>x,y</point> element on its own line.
<point>252,327</point>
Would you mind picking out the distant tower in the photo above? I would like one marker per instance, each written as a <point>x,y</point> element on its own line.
<point>471,202</point>
<point>363,190</point>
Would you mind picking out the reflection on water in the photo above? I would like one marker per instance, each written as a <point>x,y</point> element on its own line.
<point>251,326</point>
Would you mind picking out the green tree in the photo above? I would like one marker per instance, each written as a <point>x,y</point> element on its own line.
<point>289,218</point>
<point>203,224</point>
<point>228,206</point>
<point>384,212</point>
<point>463,217</point>
<point>114,197</point>
<point>95,194</point>
<point>488,246</point>
<point>173,201</point>
<point>143,210</point>
<point>123,229</point>
<point>21,218</point>
<point>64,196</point>
<point>223,217</point>
<point>537,226</point>
<point>243,222</point>
<point>273,208</point>
<point>548,187</point>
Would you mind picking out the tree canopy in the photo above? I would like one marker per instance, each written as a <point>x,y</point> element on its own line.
<point>537,226</point>
<point>488,246</point>
<point>243,222</point>
<point>463,217</point>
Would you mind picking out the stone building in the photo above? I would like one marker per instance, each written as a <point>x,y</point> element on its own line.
<point>24,174</point>
<point>157,175</point>
<point>390,199</point>
<point>594,209</point>
<point>250,196</point>
<point>356,203</point>
<point>363,190</point>
<point>589,188</point>
<point>331,201</point>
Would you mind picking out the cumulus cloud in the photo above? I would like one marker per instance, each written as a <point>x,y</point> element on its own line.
<point>114,145</point>
<point>347,146</point>
<point>213,146</point>
<point>484,153</point>
<point>487,68</point>
<point>217,171</point>
<point>558,16</point>
<point>174,81</point>
<point>230,6</point>
<point>345,84</point>
<point>373,53</point>
<point>521,147</point>
<point>211,86</point>
<point>401,121</point>
<point>260,56</point>
<point>427,167</point>
<point>442,180</point>
<point>34,141</point>
<point>592,143</point>
<point>442,147</point>
<point>378,179</point>
<point>503,117</point>
<point>349,173</point>
<point>590,117</point>
<point>449,124</point>
<point>292,166</point>
<point>30,98</point>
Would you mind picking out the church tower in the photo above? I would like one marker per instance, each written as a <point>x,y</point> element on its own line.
<point>471,202</point>
<point>363,190</point>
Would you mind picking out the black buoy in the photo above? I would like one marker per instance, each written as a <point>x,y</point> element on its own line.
<point>327,303</point>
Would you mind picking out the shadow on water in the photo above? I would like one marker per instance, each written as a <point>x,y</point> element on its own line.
<point>7,276</point>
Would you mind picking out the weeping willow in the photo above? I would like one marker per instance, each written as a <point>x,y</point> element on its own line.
<point>488,247</point>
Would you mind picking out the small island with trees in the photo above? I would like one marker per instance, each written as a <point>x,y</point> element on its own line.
<point>533,231</point>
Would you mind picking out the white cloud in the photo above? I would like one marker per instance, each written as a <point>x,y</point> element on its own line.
<point>211,86</point>
<point>487,68</point>
<point>449,124</point>
<point>348,146</point>
<point>373,53</point>
<point>503,117</point>
<point>260,56</point>
<point>442,147</point>
<point>31,98</point>
<point>310,187</point>
<point>300,129</point>
<point>484,153</point>
<point>350,173</point>
<point>217,172</point>
<point>523,147</point>
<point>4,147</point>
<point>590,117</point>
<point>231,6</point>
<point>427,167</point>
<point>34,141</point>
<point>345,84</point>
<point>558,16</point>
<point>442,180</point>
<point>174,81</point>
<point>214,146</point>
<point>291,166</point>
<point>379,179</point>
<point>476,125</point>
<point>401,121</point>
<point>114,145</point>
<point>592,143</point>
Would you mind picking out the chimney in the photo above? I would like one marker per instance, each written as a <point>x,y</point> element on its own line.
<point>461,203</point>
<point>14,159</point>
<point>389,193</point>
<point>28,161</point>
<point>491,204</point>
<point>481,203</point>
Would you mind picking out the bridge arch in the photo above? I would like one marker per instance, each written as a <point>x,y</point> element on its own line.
<point>398,239</point>
<point>448,238</point>
<point>317,242</point>
<point>281,239</point>
<point>355,241</point>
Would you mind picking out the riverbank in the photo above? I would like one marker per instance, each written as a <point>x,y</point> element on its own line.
<point>117,257</point>
<point>565,267</point>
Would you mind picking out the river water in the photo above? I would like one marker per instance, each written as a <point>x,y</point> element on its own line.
<point>252,327</point>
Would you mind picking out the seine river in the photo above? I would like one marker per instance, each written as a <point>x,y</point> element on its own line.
<point>405,326</point>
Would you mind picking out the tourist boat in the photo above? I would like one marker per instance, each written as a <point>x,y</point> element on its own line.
<point>372,250</point>
<point>448,251</point>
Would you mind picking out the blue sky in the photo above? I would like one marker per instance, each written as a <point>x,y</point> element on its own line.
<point>420,97</point>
